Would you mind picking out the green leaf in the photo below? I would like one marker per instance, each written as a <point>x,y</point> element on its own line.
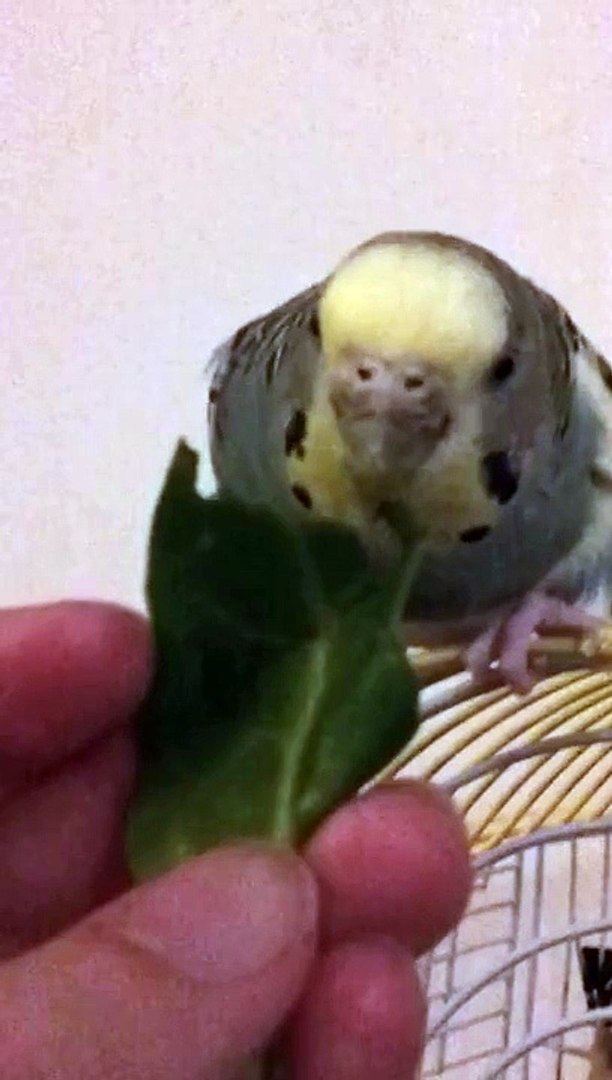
<point>281,684</point>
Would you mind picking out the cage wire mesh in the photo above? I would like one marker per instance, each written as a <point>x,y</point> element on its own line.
<point>533,777</point>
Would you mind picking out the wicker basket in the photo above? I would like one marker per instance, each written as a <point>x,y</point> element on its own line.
<point>533,777</point>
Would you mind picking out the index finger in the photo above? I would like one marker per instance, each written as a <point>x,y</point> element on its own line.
<point>394,862</point>
<point>69,673</point>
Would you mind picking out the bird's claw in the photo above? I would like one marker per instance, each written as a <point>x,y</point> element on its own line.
<point>507,639</point>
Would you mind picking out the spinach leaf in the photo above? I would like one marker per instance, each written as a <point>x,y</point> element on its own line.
<point>281,683</point>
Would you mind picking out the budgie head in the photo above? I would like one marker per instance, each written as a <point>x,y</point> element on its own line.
<point>431,355</point>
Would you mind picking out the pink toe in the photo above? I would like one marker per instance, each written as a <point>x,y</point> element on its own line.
<point>479,656</point>
<point>563,616</point>
<point>514,667</point>
<point>508,639</point>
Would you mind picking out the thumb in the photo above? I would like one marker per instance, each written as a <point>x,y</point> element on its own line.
<point>180,978</point>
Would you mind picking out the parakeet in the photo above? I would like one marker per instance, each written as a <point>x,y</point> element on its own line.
<point>426,384</point>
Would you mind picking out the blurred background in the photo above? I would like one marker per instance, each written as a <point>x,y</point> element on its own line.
<point>171,168</point>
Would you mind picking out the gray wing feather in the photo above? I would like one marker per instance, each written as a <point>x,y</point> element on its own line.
<point>260,377</point>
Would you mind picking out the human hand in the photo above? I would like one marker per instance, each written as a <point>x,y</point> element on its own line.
<point>180,978</point>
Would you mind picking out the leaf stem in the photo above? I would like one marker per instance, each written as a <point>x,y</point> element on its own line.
<point>284,820</point>
<point>402,583</point>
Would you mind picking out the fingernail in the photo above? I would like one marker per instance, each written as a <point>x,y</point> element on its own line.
<point>227,915</point>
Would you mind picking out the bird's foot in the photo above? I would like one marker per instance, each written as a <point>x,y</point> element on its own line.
<point>508,637</point>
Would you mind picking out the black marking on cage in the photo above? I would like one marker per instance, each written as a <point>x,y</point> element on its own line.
<point>596,971</point>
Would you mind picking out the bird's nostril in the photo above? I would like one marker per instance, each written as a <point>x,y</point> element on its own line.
<point>365,373</point>
<point>413,382</point>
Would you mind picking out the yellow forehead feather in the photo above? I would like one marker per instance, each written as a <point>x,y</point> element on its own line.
<point>419,298</point>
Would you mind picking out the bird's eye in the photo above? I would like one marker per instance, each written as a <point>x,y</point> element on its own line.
<point>502,369</point>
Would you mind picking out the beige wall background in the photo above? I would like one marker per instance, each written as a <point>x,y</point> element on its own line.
<point>170,168</point>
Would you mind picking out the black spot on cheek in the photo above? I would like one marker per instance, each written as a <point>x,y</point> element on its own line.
<point>302,495</point>
<point>295,433</point>
<point>501,481</point>
<point>213,395</point>
<point>502,369</point>
<point>314,326</point>
<point>473,535</point>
